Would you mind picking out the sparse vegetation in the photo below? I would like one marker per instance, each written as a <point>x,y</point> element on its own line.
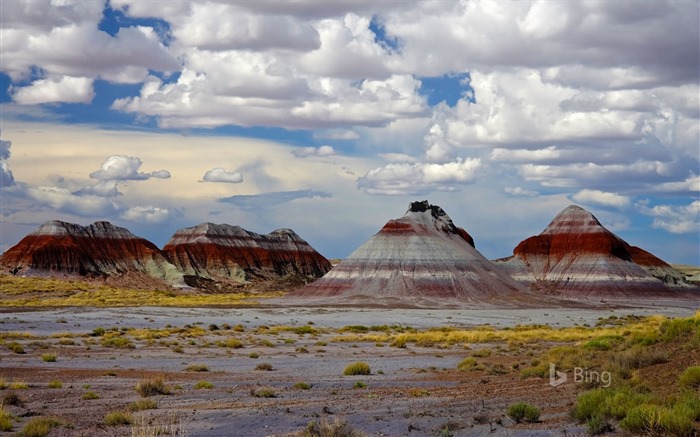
<point>302,386</point>
<point>6,419</point>
<point>151,387</point>
<point>12,398</point>
<point>467,364</point>
<point>117,418</point>
<point>482,353</point>
<point>197,368</point>
<point>48,358</point>
<point>253,355</point>
<point>359,385</point>
<point>690,377</point>
<point>357,368</point>
<point>117,342</point>
<point>324,428</point>
<point>264,366</point>
<point>55,384</point>
<point>90,395</point>
<point>263,393</point>
<point>40,426</point>
<point>523,412</point>
<point>143,404</point>
<point>203,385</point>
<point>18,385</point>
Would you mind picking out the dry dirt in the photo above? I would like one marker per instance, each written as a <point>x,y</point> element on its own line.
<point>412,391</point>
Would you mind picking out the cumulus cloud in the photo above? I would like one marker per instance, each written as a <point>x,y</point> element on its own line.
<point>218,174</point>
<point>64,89</point>
<point>271,199</point>
<point>691,184</point>
<point>419,177</point>
<point>305,152</point>
<point>148,214</point>
<point>602,198</point>
<point>6,177</point>
<point>5,149</point>
<point>682,219</point>
<point>101,189</point>
<point>124,168</point>
<point>61,199</point>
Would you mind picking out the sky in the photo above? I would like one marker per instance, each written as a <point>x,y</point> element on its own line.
<point>330,117</point>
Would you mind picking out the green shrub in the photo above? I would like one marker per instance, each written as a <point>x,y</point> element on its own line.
<point>16,348</point>
<point>357,368</point>
<point>6,419</point>
<point>232,343</point>
<point>55,384</point>
<point>354,328</point>
<point>151,387</point>
<point>360,385</point>
<point>197,368</point>
<point>302,386</point>
<point>89,395</point>
<point>48,358</point>
<point>467,364</point>
<point>253,355</point>
<point>482,353</point>
<point>674,328</point>
<point>40,426</point>
<point>690,377</point>
<point>399,342</point>
<point>523,412</point>
<point>117,342</point>
<point>98,332</point>
<point>203,385</point>
<point>18,385</point>
<point>116,418</point>
<point>143,404</point>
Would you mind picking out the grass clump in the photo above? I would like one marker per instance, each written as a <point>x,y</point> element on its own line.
<point>253,355</point>
<point>18,385</point>
<point>482,353</point>
<point>151,387</point>
<point>302,385</point>
<point>90,395</point>
<point>203,385</point>
<point>359,385</point>
<point>523,412</point>
<point>143,404</point>
<point>5,419</point>
<point>117,343</point>
<point>467,364</point>
<point>55,384</point>
<point>264,367</point>
<point>40,426</point>
<point>48,358</point>
<point>690,377</point>
<point>357,368</point>
<point>16,348</point>
<point>263,393</point>
<point>324,428</point>
<point>197,368</point>
<point>117,418</point>
<point>232,343</point>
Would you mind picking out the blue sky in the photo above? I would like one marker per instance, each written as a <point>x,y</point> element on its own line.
<point>329,118</point>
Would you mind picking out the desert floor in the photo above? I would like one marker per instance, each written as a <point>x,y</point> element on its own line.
<point>414,389</point>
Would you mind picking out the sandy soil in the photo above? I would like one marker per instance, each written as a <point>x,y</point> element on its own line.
<point>412,391</point>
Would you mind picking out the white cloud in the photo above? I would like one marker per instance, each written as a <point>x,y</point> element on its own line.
<point>218,174</point>
<point>691,184</point>
<point>5,149</point>
<point>148,214</point>
<point>418,178</point>
<point>305,152</point>
<point>337,134</point>
<point>102,189</point>
<point>603,198</point>
<point>6,177</point>
<point>61,199</point>
<point>520,192</point>
<point>124,168</point>
<point>271,199</point>
<point>61,89</point>
<point>683,219</point>
<point>398,157</point>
